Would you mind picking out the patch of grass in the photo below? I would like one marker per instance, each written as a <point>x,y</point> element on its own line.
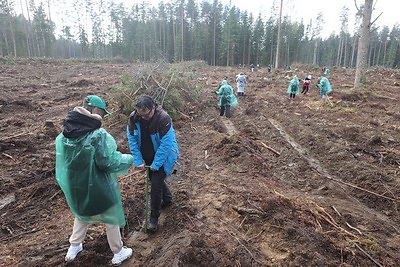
<point>367,91</point>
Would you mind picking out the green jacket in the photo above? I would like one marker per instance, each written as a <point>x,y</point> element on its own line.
<point>227,97</point>
<point>86,170</point>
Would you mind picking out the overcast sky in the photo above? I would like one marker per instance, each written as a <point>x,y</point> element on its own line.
<point>295,9</point>
<point>308,9</point>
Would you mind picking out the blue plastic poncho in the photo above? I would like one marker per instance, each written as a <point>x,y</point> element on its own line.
<point>227,97</point>
<point>324,86</point>
<point>294,86</point>
<point>86,169</point>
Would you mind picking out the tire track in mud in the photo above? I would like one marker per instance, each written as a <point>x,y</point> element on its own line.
<point>341,196</point>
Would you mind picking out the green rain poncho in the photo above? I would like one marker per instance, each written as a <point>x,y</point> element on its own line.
<point>86,169</point>
<point>227,97</point>
<point>294,86</point>
<point>324,86</point>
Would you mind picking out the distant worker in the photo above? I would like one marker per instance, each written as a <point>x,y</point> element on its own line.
<point>327,71</point>
<point>227,98</point>
<point>269,68</point>
<point>241,81</point>
<point>294,88</point>
<point>252,67</point>
<point>87,164</point>
<point>324,88</point>
<point>306,84</point>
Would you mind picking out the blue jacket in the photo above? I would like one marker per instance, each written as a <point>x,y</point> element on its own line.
<point>162,135</point>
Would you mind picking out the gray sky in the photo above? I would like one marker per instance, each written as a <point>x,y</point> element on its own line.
<point>295,9</point>
<point>308,9</point>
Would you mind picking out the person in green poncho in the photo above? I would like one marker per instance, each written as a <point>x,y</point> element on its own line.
<point>324,88</point>
<point>227,98</point>
<point>294,88</point>
<point>87,164</point>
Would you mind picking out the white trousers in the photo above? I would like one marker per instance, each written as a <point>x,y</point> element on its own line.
<point>113,235</point>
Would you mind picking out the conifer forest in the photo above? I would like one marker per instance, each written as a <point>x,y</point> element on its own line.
<point>176,31</point>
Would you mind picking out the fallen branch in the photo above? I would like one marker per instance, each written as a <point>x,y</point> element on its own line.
<point>23,233</point>
<point>8,156</point>
<point>248,251</point>
<point>184,115</point>
<point>369,256</point>
<point>338,227</point>
<point>355,186</point>
<point>242,210</point>
<point>58,192</point>
<point>352,227</point>
<point>271,149</point>
<point>16,135</point>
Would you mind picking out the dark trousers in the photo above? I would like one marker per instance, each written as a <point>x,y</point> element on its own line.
<point>305,89</point>
<point>159,192</point>
<point>292,95</point>
<point>227,113</point>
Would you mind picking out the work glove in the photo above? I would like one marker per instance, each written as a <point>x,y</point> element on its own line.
<point>213,91</point>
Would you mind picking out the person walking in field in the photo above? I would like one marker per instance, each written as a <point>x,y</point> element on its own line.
<point>87,164</point>
<point>324,88</point>
<point>294,88</point>
<point>227,98</point>
<point>152,142</point>
<point>306,84</point>
<point>241,81</point>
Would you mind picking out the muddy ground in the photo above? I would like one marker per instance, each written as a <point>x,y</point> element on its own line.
<point>281,183</point>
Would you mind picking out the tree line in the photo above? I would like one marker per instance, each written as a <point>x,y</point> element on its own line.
<point>183,30</point>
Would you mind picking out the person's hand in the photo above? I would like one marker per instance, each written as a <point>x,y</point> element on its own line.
<point>141,167</point>
<point>151,169</point>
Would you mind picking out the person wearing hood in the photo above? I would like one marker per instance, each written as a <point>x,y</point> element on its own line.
<point>324,88</point>
<point>294,88</point>
<point>241,81</point>
<point>152,142</point>
<point>87,164</point>
<point>227,98</point>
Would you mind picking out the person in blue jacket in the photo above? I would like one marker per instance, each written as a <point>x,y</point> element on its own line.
<point>152,142</point>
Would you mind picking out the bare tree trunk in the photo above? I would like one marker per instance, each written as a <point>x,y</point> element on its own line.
<point>26,30</point>
<point>339,51</point>
<point>345,51</point>
<point>182,30</point>
<point>363,45</point>
<point>12,30</point>
<point>384,54</point>
<point>379,52</point>
<point>315,52</point>
<point>279,37</point>
<point>353,51</point>
<point>272,49</point>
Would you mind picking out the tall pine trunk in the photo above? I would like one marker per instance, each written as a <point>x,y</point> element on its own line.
<point>279,37</point>
<point>363,45</point>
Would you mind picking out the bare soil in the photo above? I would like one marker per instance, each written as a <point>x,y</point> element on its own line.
<point>281,183</point>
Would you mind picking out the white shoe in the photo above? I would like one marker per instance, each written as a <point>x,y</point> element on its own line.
<point>122,255</point>
<point>72,252</point>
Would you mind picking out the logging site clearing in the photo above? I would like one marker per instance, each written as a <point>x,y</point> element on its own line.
<point>281,183</point>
